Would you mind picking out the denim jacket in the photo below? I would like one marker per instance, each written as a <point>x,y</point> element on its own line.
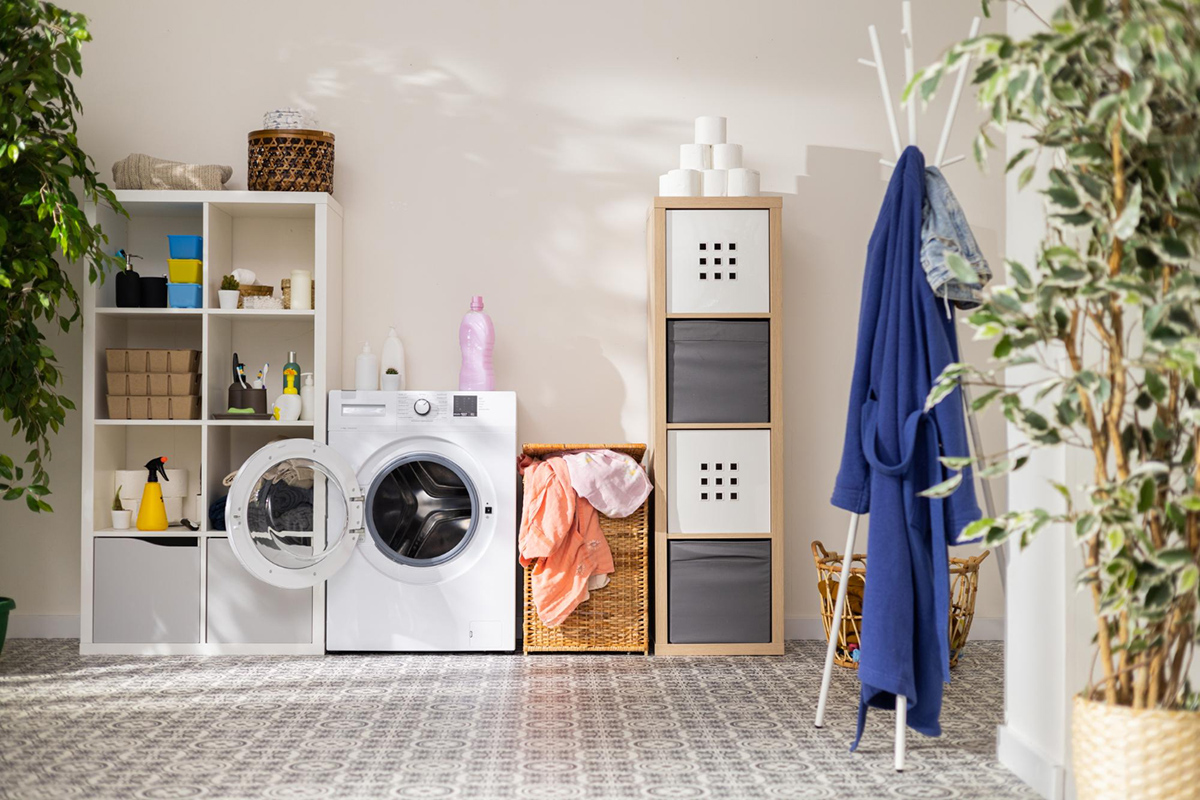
<point>944,229</point>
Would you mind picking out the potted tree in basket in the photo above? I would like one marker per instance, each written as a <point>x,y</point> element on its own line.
<point>1100,337</point>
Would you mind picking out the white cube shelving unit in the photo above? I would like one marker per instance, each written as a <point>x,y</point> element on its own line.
<point>271,233</point>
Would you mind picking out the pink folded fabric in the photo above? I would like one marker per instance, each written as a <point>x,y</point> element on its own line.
<point>612,482</point>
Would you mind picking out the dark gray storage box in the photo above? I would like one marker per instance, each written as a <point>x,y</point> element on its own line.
<point>719,591</point>
<point>718,370</point>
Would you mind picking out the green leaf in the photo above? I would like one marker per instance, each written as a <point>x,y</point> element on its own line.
<point>961,269</point>
<point>943,489</point>
<point>1126,224</point>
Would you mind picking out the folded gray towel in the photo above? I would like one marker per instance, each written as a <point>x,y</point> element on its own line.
<point>140,171</point>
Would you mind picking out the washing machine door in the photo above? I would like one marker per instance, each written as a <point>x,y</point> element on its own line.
<point>429,511</point>
<point>294,513</point>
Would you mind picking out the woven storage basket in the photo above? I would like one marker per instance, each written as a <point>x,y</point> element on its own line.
<point>1122,754</point>
<point>286,285</point>
<point>617,617</point>
<point>253,290</point>
<point>290,161</point>
<point>964,584</point>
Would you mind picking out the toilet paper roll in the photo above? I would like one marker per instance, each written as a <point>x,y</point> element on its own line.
<point>743,183</point>
<point>726,156</point>
<point>710,130</point>
<point>714,182</point>
<point>681,183</point>
<point>695,156</point>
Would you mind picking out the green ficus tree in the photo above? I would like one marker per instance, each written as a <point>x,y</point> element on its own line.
<point>1097,342</point>
<point>43,175</point>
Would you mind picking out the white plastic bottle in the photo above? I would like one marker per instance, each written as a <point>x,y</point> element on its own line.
<point>366,370</point>
<point>392,357</point>
<point>306,396</point>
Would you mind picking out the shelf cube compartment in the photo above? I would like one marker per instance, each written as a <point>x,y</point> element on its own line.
<point>719,591</point>
<point>719,481</point>
<point>718,261</point>
<point>243,609</point>
<point>718,370</point>
<point>146,589</point>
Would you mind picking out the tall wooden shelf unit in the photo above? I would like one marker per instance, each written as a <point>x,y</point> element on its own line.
<point>181,592</point>
<point>716,386</point>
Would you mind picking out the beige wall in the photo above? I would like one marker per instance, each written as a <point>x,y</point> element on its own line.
<point>511,150</point>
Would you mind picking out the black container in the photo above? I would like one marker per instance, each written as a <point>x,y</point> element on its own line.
<point>129,289</point>
<point>154,292</point>
<point>248,398</point>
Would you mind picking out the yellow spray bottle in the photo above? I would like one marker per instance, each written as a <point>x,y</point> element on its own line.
<point>152,514</point>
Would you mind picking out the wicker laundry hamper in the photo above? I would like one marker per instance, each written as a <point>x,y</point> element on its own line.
<point>964,584</point>
<point>290,160</point>
<point>617,617</point>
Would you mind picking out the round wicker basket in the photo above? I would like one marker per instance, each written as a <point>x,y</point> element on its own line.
<point>290,161</point>
<point>964,584</point>
<point>1122,754</point>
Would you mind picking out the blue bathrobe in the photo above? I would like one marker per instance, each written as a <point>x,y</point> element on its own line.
<point>891,453</point>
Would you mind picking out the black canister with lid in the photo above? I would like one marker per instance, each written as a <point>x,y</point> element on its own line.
<point>154,292</point>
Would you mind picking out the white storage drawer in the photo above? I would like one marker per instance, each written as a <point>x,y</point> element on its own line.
<point>243,609</point>
<point>718,261</point>
<point>146,590</point>
<point>719,481</point>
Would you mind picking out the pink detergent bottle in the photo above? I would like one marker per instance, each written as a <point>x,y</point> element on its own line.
<point>476,337</point>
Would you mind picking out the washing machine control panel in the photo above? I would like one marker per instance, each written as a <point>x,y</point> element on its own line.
<point>349,410</point>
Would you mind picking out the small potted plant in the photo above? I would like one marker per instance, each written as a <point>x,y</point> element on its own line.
<point>390,381</point>
<point>228,293</point>
<point>121,517</point>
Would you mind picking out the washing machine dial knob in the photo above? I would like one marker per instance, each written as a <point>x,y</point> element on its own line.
<point>422,407</point>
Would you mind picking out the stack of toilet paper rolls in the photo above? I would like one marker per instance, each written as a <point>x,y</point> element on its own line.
<point>710,166</point>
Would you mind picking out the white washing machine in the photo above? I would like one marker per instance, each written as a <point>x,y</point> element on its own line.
<point>414,520</point>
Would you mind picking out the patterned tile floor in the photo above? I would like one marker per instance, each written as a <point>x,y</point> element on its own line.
<point>468,726</point>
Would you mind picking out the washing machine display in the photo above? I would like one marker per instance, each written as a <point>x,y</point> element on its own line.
<point>422,510</point>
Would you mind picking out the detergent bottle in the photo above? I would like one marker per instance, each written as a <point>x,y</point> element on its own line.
<point>476,337</point>
<point>152,513</point>
<point>289,405</point>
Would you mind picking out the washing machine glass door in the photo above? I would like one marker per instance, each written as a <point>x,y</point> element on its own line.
<point>423,509</point>
<point>294,513</point>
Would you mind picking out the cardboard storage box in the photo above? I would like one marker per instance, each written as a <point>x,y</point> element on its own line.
<point>158,361</point>
<point>173,361</point>
<point>124,407</point>
<point>174,384</point>
<point>162,384</point>
<point>174,407</point>
<point>127,360</point>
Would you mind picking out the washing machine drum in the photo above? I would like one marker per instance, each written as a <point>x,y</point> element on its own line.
<point>422,510</point>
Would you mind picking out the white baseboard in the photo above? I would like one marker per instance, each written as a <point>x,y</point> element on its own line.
<point>1027,762</point>
<point>43,626</point>
<point>982,628</point>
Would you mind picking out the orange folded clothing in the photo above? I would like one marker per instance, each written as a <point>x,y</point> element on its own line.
<point>560,531</point>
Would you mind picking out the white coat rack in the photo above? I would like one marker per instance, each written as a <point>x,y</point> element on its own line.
<point>939,160</point>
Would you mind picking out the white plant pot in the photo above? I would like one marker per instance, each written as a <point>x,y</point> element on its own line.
<point>228,299</point>
<point>390,383</point>
<point>121,520</point>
